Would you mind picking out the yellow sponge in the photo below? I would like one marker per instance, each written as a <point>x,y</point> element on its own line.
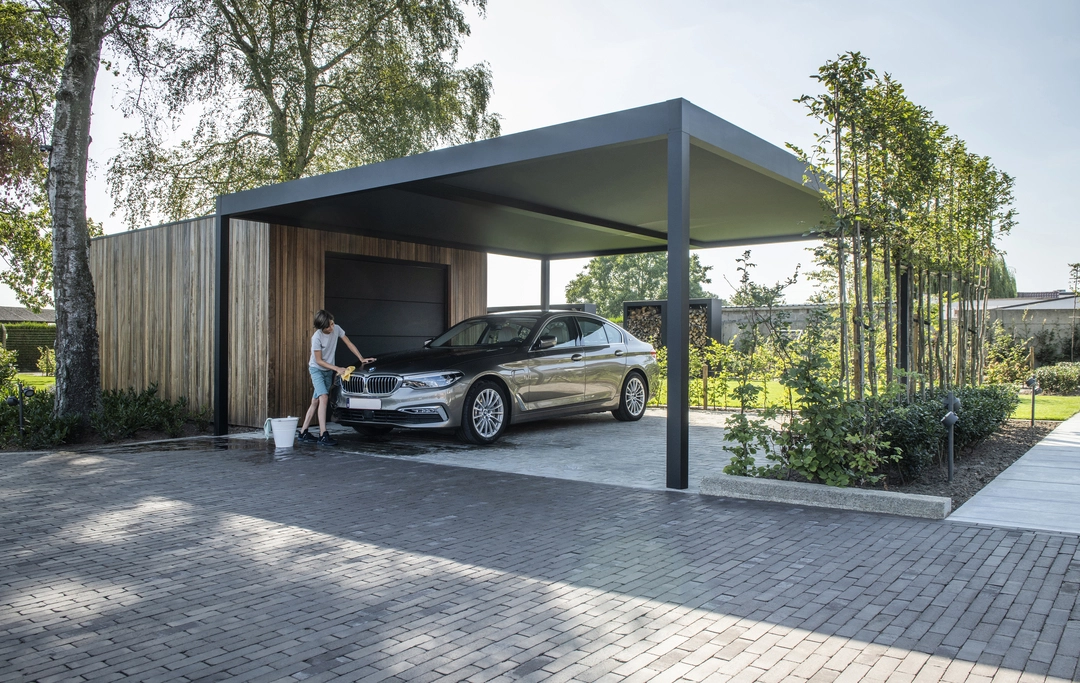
<point>348,373</point>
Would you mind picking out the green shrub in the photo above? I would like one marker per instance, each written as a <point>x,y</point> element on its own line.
<point>124,413</point>
<point>41,429</point>
<point>46,362</point>
<point>915,427</point>
<point>9,361</point>
<point>983,410</point>
<point>1063,378</point>
<point>1006,357</point>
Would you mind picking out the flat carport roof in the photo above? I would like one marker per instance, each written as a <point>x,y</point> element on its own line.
<point>668,176</point>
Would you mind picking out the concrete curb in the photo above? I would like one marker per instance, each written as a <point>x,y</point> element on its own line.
<point>819,495</point>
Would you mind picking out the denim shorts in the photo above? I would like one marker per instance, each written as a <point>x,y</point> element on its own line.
<point>322,380</point>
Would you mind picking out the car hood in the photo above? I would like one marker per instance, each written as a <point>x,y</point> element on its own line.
<point>433,360</point>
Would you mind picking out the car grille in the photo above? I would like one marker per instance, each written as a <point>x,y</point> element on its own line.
<point>353,417</point>
<point>376,385</point>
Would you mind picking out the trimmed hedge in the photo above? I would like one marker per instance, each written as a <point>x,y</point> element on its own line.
<point>25,338</point>
<point>1062,379</point>
<point>915,428</point>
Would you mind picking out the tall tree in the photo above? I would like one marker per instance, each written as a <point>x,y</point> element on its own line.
<point>608,281</point>
<point>129,25</point>
<point>31,55</point>
<point>284,89</point>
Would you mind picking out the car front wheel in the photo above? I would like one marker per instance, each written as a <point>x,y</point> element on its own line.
<point>485,415</point>
<point>632,399</point>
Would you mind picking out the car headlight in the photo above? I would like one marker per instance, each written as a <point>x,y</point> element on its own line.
<point>432,380</point>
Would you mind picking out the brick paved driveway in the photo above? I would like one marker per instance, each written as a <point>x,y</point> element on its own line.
<point>229,564</point>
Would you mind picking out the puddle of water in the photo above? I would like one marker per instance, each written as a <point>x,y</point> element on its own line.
<point>258,451</point>
<point>196,444</point>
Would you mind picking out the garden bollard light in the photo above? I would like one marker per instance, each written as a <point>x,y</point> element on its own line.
<point>949,420</point>
<point>1034,384</point>
<point>952,404</point>
<point>17,399</point>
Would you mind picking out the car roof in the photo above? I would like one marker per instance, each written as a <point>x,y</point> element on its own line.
<point>542,315</point>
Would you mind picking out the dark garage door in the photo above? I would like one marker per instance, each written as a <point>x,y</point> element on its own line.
<point>385,305</point>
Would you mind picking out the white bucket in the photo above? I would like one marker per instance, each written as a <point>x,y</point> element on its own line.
<point>283,429</point>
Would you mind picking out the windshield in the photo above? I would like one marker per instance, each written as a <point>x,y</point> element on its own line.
<point>485,332</point>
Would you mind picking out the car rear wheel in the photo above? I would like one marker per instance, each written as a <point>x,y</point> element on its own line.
<point>374,433</point>
<point>485,415</point>
<point>632,399</point>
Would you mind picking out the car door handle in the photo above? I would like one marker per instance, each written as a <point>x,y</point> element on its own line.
<point>576,357</point>
<point>619,352</point>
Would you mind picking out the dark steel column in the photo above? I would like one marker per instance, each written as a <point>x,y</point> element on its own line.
<point>545,283</point>
<point>221,325</point>
<point>678,306</point>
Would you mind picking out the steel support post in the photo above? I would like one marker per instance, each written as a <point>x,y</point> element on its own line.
<point>221,325</point>
<point>678,307</point>
<point>545,284</point>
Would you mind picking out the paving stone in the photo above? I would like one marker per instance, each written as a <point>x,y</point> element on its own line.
<point>238,563</point>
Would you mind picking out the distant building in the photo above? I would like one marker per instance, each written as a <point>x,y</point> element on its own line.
<point>18,314</point>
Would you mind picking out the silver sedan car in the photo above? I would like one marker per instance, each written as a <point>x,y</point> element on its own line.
<point>488,372</point>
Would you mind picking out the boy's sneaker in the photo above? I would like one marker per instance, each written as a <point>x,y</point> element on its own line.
<point>306,437</point>
<point>325,440</point>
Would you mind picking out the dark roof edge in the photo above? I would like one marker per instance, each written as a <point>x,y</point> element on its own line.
<point>630,125</point>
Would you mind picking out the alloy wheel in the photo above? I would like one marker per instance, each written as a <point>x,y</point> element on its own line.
<point>634,396</point>
<point>488,413</point>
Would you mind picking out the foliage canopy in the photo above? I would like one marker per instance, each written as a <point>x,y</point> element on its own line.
<point>284,89</point>
<point>31,55</point>
<point>608,281</point>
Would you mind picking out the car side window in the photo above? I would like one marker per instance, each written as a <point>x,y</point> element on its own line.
<point>614,335</point>
<point>564,334</point>
<point>592,332</point>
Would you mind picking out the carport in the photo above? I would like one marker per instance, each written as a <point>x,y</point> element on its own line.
<point>665,176</point>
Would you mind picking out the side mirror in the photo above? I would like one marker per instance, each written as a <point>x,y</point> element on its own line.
<point>546,342</point>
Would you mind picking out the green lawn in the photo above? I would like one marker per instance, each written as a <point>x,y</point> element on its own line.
<point>1048,407</point>
<point>774,394</point>
<point>35,380</point>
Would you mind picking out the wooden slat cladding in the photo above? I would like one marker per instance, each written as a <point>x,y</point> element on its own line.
<point>249,321</point>
<point>297,288</point>
<point>155,301</point>
<point>155,306</point>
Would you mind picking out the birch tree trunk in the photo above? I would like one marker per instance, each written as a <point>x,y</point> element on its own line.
<point>886,249</point>
<point>78,380</point>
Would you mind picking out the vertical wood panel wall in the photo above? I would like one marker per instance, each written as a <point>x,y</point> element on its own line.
<point>155,305</point>
<point>249,320</point>
<point>155,302</point>
<point>297,289</point>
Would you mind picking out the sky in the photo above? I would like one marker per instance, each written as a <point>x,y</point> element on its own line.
<point>1000,75</point>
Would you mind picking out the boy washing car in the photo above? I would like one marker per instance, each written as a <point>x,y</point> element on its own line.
<point>321,366</point>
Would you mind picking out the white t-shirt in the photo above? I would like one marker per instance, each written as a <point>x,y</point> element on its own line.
<point>327,344</point>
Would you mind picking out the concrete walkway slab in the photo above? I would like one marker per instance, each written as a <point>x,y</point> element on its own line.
<point>1039,491</point>
<point>590,448</point>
